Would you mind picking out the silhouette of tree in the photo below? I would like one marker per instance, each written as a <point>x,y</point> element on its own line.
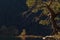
<point>50,8</point>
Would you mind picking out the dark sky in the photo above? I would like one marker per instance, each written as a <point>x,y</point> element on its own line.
<point>9,9</point>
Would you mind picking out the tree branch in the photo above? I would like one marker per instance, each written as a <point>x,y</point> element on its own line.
<point>30,9</point>
<point>50,2</point>
<point>53,15</point>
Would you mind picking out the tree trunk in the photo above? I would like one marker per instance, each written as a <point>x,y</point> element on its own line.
<point>53,15</point>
